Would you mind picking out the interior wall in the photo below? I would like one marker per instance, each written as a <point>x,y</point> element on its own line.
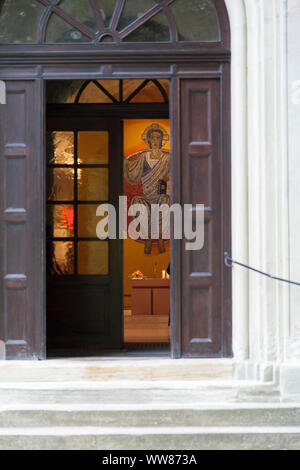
<point>135,259</point>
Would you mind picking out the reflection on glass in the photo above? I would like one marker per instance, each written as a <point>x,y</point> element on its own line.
<point>92,148</point>
<point>60,148</point>
<point>60,184</point>
<point>196,20</point>
<point>87,220</point>
<point>134,10</point>
<point>61,258</point>
<point>60,31</point>
<point>154,30</point>
<point>92,258</point>
<point>81,11</point>
<point>60,221</point>
<point>93,184</point>
<point>19,21</point>
<point>107,8</point>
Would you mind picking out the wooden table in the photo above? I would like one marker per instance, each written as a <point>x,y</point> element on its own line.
<point>150,296</point>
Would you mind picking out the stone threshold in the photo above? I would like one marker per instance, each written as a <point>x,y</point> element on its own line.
<point>112,368</point>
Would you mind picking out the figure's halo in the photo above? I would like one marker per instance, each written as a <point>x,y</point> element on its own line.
<point>155,127</point>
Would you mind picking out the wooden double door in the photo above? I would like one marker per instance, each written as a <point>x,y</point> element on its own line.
<point>200,174</point>
<point>84,273</point>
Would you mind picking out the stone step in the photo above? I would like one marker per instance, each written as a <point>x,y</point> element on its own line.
<point>211,415</point>
<point>151,438</point>
<point>116,368</point>
<point>133,392</point>
<point>136,392</point>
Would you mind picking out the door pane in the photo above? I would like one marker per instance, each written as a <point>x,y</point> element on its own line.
<point>92,184</point>
<point>60,221</point>
<point>196,20</point>
<point>60,257</point>
<point>87,220</point>
<point>60,184</point>
<point>92,148</point>
<point>60,148</point>
<point>19,21</point>
<point>93,258</point>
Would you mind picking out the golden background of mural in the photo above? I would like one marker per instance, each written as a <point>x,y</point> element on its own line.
<point>134,256</point>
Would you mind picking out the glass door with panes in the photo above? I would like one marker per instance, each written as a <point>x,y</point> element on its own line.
<point>84,288</point>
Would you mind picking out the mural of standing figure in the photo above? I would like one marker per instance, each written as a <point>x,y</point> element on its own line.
<point>151,169</point>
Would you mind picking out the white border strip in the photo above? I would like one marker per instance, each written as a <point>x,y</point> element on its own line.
<point>2,350</point>
<point>2,92</point>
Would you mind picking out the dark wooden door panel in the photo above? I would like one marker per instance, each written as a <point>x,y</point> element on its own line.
<point>20,223</point>
<point>78,318</point>
<point>201,168</point>
<point>85,309</point>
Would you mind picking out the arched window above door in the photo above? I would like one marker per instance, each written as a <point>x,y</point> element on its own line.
<point>110,21</point>
<point>108,91</point>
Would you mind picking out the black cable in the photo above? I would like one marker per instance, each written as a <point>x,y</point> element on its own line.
<point>229,260</point>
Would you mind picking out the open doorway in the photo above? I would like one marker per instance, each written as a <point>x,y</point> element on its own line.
<point>106,139</point>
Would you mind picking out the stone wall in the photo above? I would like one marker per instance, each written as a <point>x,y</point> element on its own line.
<point>293,57</point>
<point>259,184</point>
<point>266,189</point>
